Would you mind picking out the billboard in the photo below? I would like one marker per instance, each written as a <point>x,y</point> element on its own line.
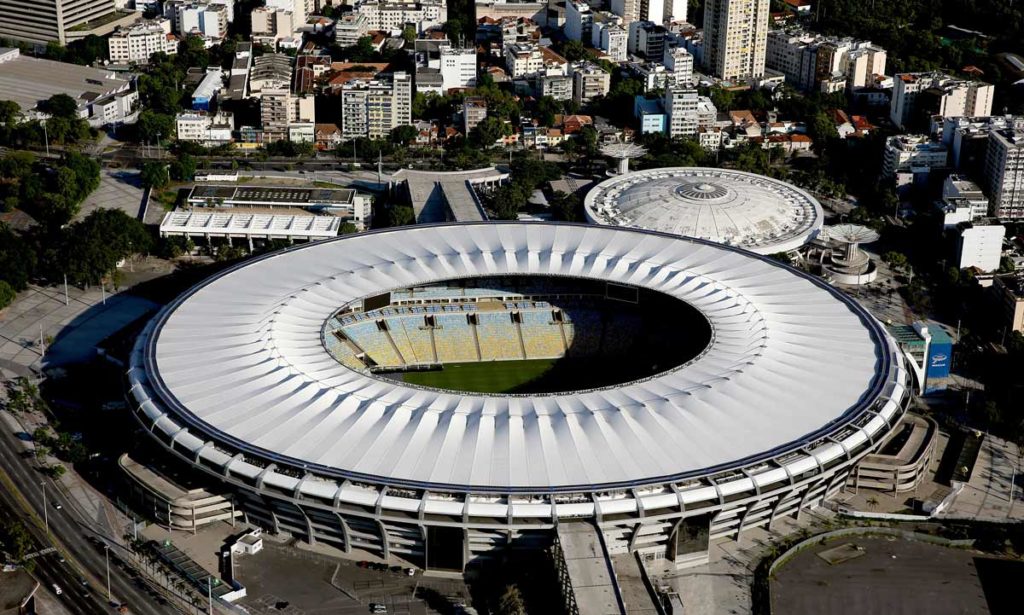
<point>940,356</point>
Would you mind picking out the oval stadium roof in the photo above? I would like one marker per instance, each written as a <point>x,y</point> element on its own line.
<point>240,360</point>
<point>754,212</point>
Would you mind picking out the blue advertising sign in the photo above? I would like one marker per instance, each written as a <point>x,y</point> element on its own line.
<point>940,356</point>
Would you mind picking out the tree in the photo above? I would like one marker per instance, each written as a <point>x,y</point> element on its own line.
<point>183,168</point>
<point>565,207</point>
<point>822,129</point>
<point>574,51</point>
<point>896,260</point>
<point>93,247</point>
<point>347,228</point>
<point>409,34</point>
<point>17,259</point>
<point>9,112</point>
<point>60,105</point>
<point>7,294</point>
<point>511,602</point>
<point>403,135</point>
<point>152,125</point>
<point>154,175</point>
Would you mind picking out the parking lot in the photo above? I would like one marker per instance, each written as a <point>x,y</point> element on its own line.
<point>286,580</point>
<point>893,577</point>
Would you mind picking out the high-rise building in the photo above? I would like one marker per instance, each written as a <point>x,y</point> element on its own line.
<point>680,62</point>
<point>808,60</point>
<point>645,10</point>
<point>588,82</point>
<point>918,96</point>
<point>735,35</point>
<point>1004,173</point>
<point>675,10</point>
<point>373,108</point>
<point>681,107</point>
<point>42,21</point>
<point>578,20</point>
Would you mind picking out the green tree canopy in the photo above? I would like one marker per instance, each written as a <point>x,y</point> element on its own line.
<point>488,131</point>
<point>60,105</point>
<point>403,135</point>
<point>93,247</point>
<point>155,175</point>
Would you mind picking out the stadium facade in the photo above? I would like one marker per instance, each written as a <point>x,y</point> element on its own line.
<point>796,385</point>
<point>750,211</point>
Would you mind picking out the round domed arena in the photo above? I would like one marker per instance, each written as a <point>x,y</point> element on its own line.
<point>436,392</point>
<point>735,208</point>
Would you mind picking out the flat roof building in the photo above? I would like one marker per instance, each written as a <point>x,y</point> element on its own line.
<point>62,21</point>
<point>1004,173</point>
<point>29,81</point>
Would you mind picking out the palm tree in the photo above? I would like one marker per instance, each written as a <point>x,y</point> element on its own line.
<point>873,502</point>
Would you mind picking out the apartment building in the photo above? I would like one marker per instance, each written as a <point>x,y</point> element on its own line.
<point>372,108</point>
<point>349,28</point>
<point>809,60</point>
<point>135,43</point>
<point>524,59</point>
<point>608,34</point>
<point>681,110</point>
<point>209,130</point>
<point>283,114</point>
<point>1004,173</point>
<point>395,14</point>
<point>912,154</point>
<point>680,62</point>
<point>578,20</point>
<point>206,18</point>
<point>647,39</point>
<point>588,82</point>
<point>735,37</point>
<point>918,96</point>
<point>474,110</point>
<point>558,87</point>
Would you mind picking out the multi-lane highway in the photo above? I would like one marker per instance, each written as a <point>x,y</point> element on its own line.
<point>74,538</point>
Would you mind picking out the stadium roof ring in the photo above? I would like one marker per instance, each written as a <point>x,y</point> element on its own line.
<point>751,211</point>
<point>234,377</point>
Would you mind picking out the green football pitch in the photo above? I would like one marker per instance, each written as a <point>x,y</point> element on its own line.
<point>489,377</point>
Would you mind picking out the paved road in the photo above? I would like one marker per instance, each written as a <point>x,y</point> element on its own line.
<point>73,535</point>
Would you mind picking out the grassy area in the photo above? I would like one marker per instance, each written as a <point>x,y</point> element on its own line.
<point>490,377</point>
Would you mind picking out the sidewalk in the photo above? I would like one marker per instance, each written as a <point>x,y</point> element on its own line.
<point>40,314</point>
<point>987,496</point>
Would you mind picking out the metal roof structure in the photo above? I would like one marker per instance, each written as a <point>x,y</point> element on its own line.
<point>237,370</point>
<point>746,210</point>
<point>219,224</point>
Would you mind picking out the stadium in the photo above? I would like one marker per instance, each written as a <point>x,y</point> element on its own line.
<point>435,393</point>
<point>746,210</point>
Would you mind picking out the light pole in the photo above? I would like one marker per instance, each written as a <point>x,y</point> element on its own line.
<point>106,552</point>
<point>46,139</point>
<point>46,512</point>
<point>209,594</point>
